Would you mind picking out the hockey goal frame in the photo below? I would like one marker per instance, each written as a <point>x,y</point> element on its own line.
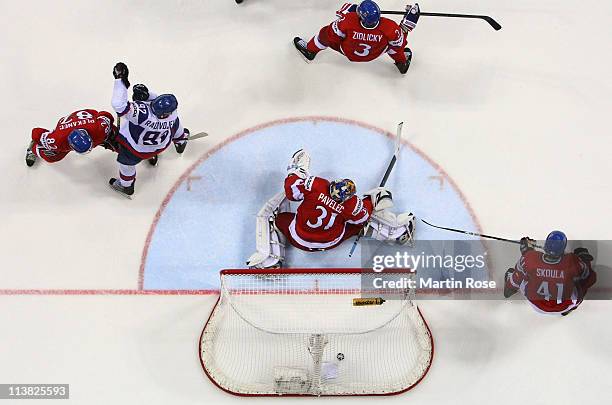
<point>285,271</point>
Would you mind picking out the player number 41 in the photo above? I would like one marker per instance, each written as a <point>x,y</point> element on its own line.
<point>544,291</point>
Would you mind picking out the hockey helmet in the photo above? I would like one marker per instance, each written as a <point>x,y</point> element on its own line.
<point>341,190</point>
<point>369,13</point>
<point>80,141</point>
<point>164,105</point>
<point>555,244</point>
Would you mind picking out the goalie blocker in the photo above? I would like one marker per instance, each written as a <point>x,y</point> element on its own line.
<point>329,213</point>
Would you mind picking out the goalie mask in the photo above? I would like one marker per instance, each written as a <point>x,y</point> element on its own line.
<point>342,190</point>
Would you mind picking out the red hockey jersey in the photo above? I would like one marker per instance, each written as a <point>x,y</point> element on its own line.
<point>52,145</point>
<point>320,221</point>
<point>552,287</point>
<point>360,44</point>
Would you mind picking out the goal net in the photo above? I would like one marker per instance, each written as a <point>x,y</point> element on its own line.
<point>315,332</point>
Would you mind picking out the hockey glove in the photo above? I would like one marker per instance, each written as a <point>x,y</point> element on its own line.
<point>509,290</point>
<point>110,142</point>
<point>140,92</point>
<point>583,254</point>
<point>345,9</point>
<point>411,18</point>
<point>181,143</point>
<point>121,71</point>
<point>527,244</point>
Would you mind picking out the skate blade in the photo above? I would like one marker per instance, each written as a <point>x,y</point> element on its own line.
<point>118,191</point>
<point>304,58</point>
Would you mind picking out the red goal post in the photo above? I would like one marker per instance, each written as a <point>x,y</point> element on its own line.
<point>315,332</point>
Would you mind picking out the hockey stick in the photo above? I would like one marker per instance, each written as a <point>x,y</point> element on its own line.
<point>477,234</point>
<point>398,146</point>
<point>197,136</point>
<point>496,26</point>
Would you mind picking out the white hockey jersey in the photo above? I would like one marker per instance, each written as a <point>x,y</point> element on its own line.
<point>141,132</point>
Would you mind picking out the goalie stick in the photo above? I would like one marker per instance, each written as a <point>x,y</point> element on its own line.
<point>496,26</point>
<point>398,146</point>
<point>477,234</point>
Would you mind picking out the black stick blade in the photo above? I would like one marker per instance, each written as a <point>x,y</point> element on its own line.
<point>493,23</point>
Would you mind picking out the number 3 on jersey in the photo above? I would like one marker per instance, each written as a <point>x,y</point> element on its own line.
<point>365,51</point>
<point>321,219</point>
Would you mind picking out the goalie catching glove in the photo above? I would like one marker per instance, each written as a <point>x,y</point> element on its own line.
<point>384,225</point>
<point>382,198</point>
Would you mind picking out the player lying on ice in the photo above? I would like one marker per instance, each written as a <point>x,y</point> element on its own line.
<point>80,131</point>
<point>553,281</point>
<point>362,35</point>
<point>150,123</point>
<point>329,213</point>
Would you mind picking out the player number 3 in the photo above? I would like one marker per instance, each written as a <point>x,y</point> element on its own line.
<point>365,52</point>
<point>321,217</point>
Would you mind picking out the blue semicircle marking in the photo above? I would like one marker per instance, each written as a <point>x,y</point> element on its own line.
<point>210,225</point>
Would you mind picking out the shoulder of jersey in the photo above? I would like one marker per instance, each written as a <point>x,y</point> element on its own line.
<point>388,25</point>
<point>350,18</point>
<point>573,257</point>
<point>356,203</point>
<point>141,110</point>
<point>532,255</point>
<point>316,183</point>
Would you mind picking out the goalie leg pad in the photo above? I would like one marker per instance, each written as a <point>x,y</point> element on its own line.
<point>384,225</point>
<point>269,241</point>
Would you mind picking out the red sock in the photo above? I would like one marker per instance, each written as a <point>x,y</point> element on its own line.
<point>319,42</point>
<point>312,46</point>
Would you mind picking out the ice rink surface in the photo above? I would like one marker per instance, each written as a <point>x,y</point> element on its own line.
<point>517,118</point>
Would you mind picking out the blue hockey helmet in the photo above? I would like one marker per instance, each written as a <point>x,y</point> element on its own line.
<point>80,141</point>
<point>555,244</point>
<point>369,13</point>
<point>164,105</point>
<point>341,190</point>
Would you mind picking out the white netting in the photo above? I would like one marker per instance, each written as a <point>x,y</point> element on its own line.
<point>299,333</point>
